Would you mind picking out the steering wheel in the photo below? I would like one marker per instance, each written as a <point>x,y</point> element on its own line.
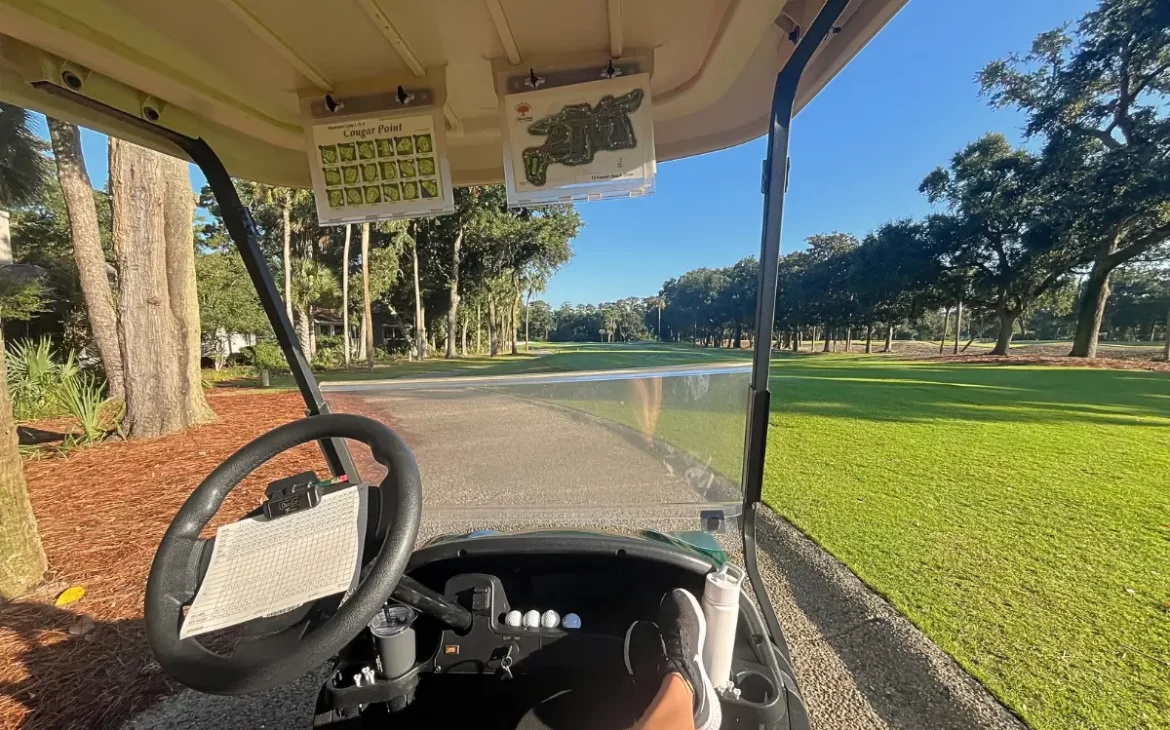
<point>278,658</point>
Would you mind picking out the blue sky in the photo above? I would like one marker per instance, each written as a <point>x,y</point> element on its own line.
<point>902,107</point>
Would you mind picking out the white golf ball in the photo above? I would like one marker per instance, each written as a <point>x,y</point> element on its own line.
<point>514,618</point>
<point>532,619</point>
<point>550,619</point>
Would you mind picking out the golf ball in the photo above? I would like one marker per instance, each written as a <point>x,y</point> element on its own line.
<point>550,619</point>
<point>532,619</point>
<point>514,618</point>
<point>572,621</point>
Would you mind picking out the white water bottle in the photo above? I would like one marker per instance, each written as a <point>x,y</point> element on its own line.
<point>721,611</point>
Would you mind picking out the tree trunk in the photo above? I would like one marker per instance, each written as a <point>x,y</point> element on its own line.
<point>312,332</point>
<point>513,320</point>
<point>286,230</point>
<point>848,338</point>
<point>958,326</point>
<point>345,294</point>
<point>527,318</point>
<point>1091,311</point>
<point>303,330</point>
<point>463,338</point>
<point>828,334</point>
<point>362,337</point>
<point>453,308</point>
<point>146,327</point>
<point>179,222</point>
<point>869,338</point>
<point>796,334</point>
<point>889,338</point>
<point>493,346</point>
<point>1166,349</point>
<point>420,334</point>
<point>87,249</point>
<point>946,322</point>
<point>24,561</point>
<point>478,328</point>
<point>367,309</point>
<point>1007,321</point>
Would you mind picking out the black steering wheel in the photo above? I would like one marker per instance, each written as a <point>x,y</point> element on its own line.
<point>278,658</point>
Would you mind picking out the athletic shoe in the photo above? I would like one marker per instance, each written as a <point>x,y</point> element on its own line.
<point>683,629</point>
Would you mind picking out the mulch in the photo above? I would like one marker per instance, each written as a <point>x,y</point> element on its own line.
<point>101,512</point>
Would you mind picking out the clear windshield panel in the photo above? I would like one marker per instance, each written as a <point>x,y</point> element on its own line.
<point>654,449</point>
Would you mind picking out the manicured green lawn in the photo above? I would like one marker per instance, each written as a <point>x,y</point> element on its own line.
<point>1020,516</point>
<point>544,357</point>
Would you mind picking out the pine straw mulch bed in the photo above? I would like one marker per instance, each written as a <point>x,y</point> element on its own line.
<point>102,511</point>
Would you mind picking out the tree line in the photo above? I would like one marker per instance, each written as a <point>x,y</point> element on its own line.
<point>1075,223</point>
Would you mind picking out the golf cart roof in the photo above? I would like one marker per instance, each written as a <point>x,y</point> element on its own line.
<point>234,71</point>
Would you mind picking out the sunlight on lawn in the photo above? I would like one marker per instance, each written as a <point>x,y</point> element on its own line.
<point>1018,515</point>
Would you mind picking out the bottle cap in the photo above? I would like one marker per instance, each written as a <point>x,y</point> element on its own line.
<point>391,621</point>
<point>723,585</point>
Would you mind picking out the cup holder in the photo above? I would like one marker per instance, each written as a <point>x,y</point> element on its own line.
<point>755,687</point>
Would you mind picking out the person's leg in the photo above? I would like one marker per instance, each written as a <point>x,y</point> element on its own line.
<point>673,650</point>
<point>673,707</point>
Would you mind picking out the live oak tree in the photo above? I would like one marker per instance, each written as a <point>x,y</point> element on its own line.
<point>997,228</point>
<point>1098,97</point>
<point>23,561</point>
<point>87,249</point>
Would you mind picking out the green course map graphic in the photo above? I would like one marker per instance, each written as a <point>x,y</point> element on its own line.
<point>579,131</point>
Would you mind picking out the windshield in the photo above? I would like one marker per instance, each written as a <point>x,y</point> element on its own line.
<point>655,448</point>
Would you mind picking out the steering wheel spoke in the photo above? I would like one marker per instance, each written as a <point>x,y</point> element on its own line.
<point>274,651</point>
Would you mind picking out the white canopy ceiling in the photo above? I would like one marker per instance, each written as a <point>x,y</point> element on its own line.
<point>232,71</point>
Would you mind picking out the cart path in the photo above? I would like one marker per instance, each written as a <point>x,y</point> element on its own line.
<point>478,448</point>
<point>860,664</point>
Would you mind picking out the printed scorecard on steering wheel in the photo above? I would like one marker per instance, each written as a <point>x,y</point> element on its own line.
<point>261,567</point>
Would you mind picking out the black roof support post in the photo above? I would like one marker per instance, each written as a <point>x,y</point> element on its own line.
<point>774,185</point>
<point>243,231</point>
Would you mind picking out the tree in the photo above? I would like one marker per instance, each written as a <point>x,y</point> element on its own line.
<point>92,269</point>
<point>540,316</point>
<point>312,284</point>
<point>155,395</point>
<point>997,228</point>
<point>22,176</point>
<point>367,312</point>
<point>179,231</point>
<point>21,179</point>
<point>1099,99</point>
<point>224,305</point>
<point>345,295</point>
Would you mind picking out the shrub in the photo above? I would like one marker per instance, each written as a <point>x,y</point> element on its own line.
<point>81,397</point>
<point>34,376</point>
<point>266,355</point>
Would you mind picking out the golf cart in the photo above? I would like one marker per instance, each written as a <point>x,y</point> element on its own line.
<point>383,107</point>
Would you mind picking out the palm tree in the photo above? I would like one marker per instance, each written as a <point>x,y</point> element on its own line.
<point>22,176</point>
<point>345,294</point>
<point>534,283</point>
<point>311,282</point>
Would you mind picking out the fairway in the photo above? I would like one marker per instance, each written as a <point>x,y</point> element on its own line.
<point>1020,516</point>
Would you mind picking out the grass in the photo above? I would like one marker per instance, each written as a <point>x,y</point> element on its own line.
<point>1018,515</point>
<point>544,357</point>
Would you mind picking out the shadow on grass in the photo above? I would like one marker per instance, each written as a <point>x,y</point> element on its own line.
<point>906,392</point>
